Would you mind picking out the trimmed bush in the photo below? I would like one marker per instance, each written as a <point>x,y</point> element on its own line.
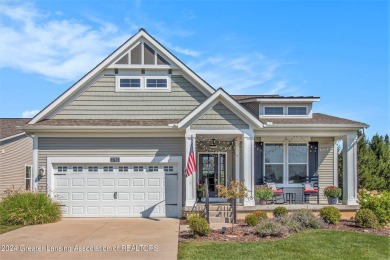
<point>306,219</point>
<point>378,202</point>
<point>263,193</point>
<point>330,215</point>
<point>280,212</point>
<point>366,218</point>
<point>252,220</point>
<point>199,226</point>
<point>28,208</point>
<point>189,214</point>
<point>270,227</point>
<point>260,214</point>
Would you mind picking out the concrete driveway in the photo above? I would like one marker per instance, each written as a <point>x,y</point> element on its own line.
<point>99,238</point>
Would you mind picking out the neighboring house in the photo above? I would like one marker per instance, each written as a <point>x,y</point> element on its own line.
<point>15,155</point>
<point>116,142</point>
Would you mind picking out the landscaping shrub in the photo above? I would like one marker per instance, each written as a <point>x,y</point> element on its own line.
<point>330,215</point>
<point>291,224</point>
<point>378,202</point>
<point>366,218</point>
<point>28,208</point>
<point>271,227</point>
<point>260,214</point>
<point>280,212</point>
<point>199,226</point>
<point>306,219</point>
<point>263,193</point>
<point>252,220</point>
<point>189,214</point>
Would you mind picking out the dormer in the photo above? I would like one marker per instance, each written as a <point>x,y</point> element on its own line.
<point>275,106</point>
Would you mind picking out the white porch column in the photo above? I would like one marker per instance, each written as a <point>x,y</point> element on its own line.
<point>350,169</point>
<point>35,164</point>
<point>248,164</point>
<point>191,180</point>
<point>237,159</point>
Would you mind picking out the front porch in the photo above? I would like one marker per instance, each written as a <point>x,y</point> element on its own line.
<point>236,154</point>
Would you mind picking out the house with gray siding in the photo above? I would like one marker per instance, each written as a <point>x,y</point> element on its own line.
<point>15,155</point>
<point>116,143</point>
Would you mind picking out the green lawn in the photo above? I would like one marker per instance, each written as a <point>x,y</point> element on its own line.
<point>313,244</point>
<point>4,228</point>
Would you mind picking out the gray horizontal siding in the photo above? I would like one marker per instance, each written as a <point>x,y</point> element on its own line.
<point>326,169</point>
<point>101,101</point>
<point>95,147</point>
<point>17,153</point>
<point>219,117</point>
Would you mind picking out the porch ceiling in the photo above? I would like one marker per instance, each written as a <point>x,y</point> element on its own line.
<point>217,137</point>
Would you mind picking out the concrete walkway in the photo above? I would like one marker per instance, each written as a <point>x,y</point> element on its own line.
<point>100,238</point>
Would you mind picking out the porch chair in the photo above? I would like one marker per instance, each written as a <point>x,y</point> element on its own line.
<point>277,193</point>
<point>310,189</point>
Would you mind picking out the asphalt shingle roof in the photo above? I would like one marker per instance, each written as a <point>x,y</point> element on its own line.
<point>317,119</point>
<point>8,126</point>
<point>106,122</point>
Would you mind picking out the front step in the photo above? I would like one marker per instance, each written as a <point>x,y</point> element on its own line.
<point>219,212</point>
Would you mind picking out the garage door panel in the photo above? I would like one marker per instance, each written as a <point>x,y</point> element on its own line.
<point>123,182</point>
<point>92,182</point>
<point>77,182</point>
<point>124,196</point>
<point>62,196</point>
<point>77,210</point>
<point>108,182</point>
<point>108,210</point>
<point>92,196</point>
<point>152,196</point>
<point>140,196</point>
<point>62,182</point>
<point>138,182</point>
<point>108,196</point>
<point>153,182</point>
<point>77,196</point>
<point>93,210</point>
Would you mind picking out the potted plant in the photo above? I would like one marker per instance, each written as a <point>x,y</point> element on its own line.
<point>332,193</point>
<point>199,191</point>
<point>263,194</point>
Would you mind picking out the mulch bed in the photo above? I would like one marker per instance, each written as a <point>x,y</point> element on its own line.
<point>244,233</point>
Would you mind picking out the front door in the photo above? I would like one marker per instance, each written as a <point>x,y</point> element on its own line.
<point>212,167</point>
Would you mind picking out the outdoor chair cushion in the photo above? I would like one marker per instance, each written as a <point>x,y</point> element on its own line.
<point>310,191</point>
<point>307,186</point>
<point>277,191</point>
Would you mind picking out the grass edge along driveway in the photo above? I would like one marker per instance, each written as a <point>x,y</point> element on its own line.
<point>5,228</point>
<point>313,244</point>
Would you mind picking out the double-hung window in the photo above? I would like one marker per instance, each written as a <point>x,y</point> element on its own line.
<point>297,163</point>
<point>28,174</point>
<point>274,162</point>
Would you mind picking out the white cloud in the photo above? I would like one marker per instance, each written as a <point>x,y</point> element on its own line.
<point>251,73</point>
<point>29,113</point>
<point>58,49</point>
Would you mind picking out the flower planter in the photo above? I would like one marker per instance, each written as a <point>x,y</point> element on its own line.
<point>332,200</point>
<point>263,202</point>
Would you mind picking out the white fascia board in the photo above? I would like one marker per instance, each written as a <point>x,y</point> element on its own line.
<point>104,64</point>
<point>317,126</point>
<point>11,137</point>
<point>281,100</point>
<point>228,101</point>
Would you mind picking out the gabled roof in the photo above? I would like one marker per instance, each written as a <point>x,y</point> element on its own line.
<point>274,98</point>
<point>8,126</point>
<point>317,119</point>
<point>220,96</point>
<point>142,34</point>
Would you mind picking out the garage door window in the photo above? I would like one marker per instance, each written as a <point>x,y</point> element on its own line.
<point>123,168</point>
<point>62,168</point>
<point>93,168</point>
<point>138,168</point>
<point>153,168</point>
<point>108,168</point>
<point>77,168</point>
<point>168,168</point>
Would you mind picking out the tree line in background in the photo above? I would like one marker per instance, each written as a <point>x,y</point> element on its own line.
<point>373,163</point>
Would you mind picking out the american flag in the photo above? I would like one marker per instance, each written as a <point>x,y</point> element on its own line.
<point>191,164</point>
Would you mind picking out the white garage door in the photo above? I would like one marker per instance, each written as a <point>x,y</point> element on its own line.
<point>111,190</point>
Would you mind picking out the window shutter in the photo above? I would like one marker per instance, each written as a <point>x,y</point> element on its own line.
<point>313,159</point>
<point>258,163</point>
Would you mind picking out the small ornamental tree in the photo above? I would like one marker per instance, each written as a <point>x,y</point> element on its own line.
<point>235,190</point>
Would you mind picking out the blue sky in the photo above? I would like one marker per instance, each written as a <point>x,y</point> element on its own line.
<point>338,50</point>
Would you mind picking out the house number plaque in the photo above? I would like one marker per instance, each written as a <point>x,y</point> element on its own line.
<point>114,159</point>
